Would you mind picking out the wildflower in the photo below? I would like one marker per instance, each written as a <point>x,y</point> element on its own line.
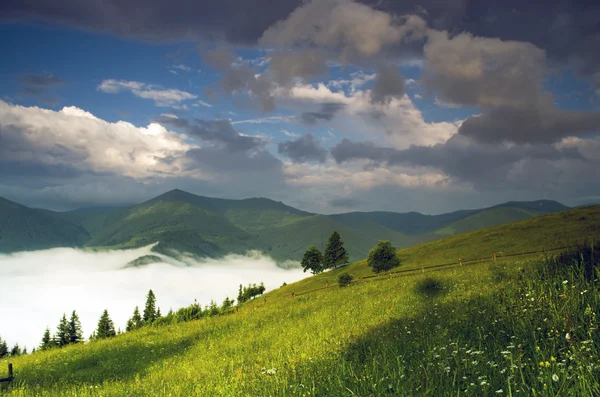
<point>552,359</point>
<point>555,377</point>
<point>565,282</point>
<point>567,336</point>
<point>499,391</point>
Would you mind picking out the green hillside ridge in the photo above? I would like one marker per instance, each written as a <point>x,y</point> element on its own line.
<point>23,228</point>
<point>212,227</point>
<point>510,327</point>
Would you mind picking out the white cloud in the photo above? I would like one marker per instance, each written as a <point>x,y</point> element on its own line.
<point>161,97</point>
<point>290,134</point>
<point>266,120</point>
<point>77,139</point>
<point>202,103</point>
<point>398,123</point>
<point>52,282</point>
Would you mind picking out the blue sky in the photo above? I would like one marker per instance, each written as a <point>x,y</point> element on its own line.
<point>424,120</point>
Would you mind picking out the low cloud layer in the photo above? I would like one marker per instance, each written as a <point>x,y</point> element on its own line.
<point>38,287</point>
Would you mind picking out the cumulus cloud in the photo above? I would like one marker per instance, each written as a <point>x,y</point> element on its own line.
<point>388,84</point>
<point>161,97</point>
<point>303,149</point>
<point>326,113</point>
<point>75,141</point>
<point>52,282</point>
<point>305,64</point>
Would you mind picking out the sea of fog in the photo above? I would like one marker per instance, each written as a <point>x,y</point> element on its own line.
<point>37,287</point>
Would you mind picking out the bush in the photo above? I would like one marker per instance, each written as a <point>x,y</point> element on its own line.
<point>345,279</point>
<point>383,257</point>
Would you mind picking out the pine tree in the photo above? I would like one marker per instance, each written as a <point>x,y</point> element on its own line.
<point>335,253</point>
<point>62,332</point>
<point>312,260</point>
<point>106,327</point>
<point>240,297</point>
<point>158,313</point>
<point>150,308</point>
<point>74,332</point>
<point>47,340</point>
<point>135,322</point>
<point>15,351</point>
<point>3,348</point>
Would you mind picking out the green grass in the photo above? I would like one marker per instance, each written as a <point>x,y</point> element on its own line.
<point>467,331</point>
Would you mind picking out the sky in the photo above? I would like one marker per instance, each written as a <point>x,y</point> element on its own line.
<point>48,283</point>
<point>327,105</point>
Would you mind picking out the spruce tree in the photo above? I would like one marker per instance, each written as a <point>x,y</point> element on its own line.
<point>312,260</point>
<point>3,348</point>
<point>62,332</point>
<point>106,327</point>
<point>47,340</point>
<point>150,308</point>
<point>135,322</point>
<point>74,332</point>
<point>15,351</point>
<point>335,254</point>
<point>240,297</point>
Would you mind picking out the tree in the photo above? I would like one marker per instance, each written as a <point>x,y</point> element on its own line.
<point>345,279</point>
<point>47,340</point>
<point>150,308</point>
<point>383,257</point>
<point>313,261</point>
<point>135,322</point>
<point>74,332</point>
<point>16,350</point>
<point>61,338</point>
<point>106,327</point>
<point>240,297</point>
<point>3,348</point>
<point>335,253</point>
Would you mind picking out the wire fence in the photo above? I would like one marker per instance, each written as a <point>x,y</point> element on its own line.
<point>438,267</point>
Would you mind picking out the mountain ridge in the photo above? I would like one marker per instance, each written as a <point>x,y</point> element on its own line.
<point>212,227</point>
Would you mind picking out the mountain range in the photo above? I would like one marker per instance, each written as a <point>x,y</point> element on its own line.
<point>213,227</point>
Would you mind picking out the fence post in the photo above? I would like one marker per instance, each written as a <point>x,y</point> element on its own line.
<point>293,295</point>
<point>494,255</point>
<point>460,261</point>
<point>390,275</point>
<point>326,284</point>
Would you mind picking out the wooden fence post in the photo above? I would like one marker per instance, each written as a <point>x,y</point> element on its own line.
<point>326,284</point>
<point>10,371</point>
<point>494,255</point>
<point>293,295</point>
<point>460,261</point>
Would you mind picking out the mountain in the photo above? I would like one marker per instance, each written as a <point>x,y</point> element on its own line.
<point>23,229</point>
<point>213,227</point>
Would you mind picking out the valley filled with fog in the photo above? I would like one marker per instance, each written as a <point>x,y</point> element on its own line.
<point>37,287</point>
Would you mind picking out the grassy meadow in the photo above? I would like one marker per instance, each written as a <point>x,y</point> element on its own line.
<point>523,326</point>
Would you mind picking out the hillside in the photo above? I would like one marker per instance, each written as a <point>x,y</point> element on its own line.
<point>23,228</point>
<point>496,328</point>
<point>212,227</point>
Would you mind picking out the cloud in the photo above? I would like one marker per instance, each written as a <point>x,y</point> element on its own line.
<point>52,282</point>
<point>388,84</point>
<point>327,113</point>
<point>41,85</point>
<point>202,103</point>
<point>266,120</point>
<point>543,124</point>
<point>161,97</point>
<point>480,71</point>
<point>484,166</point>
<point>355,30</point>
<point>303,149</point>
<point>75,141</point>
<point>305,64</point>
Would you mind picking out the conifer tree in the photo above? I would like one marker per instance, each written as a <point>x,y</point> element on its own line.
<point>47,340</point>
<point>15,351</point>
<point>62,332</point>
<point>135,322</point>
<point>240,297</point>
<point>335,254</point>
<point>106,327</point>
<point>150,308</point>
<point>158,313</point>
<point>75,334</point>
<point>3,348</point>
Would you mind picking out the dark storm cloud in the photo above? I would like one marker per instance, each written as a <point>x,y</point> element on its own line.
<point>305,64</point>
<point>303,149</point>
<point>485,166</point>
<point>327,113</point>
<point>544,124</point>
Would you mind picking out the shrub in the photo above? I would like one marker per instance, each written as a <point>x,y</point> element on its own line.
<point>345,279</point>
<point>383,257</point>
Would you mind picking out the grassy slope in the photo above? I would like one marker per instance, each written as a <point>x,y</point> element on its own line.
<point>485,331</point>
<point>23,228</point>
